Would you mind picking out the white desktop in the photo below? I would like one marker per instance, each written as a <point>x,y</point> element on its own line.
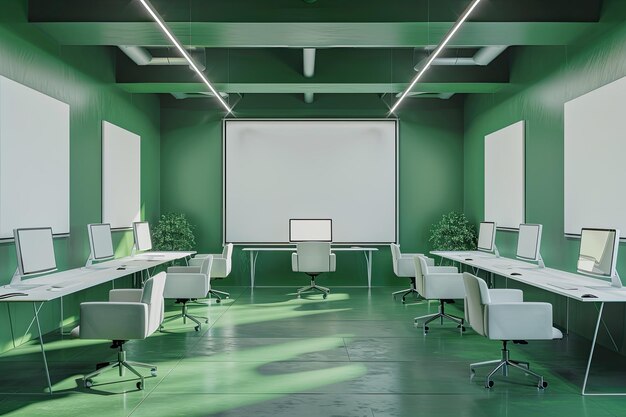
<point>487,238</point>
<point>310,230</point>
<point>598,254</point>
<point>35,255</point>
<point>529,243</point>
<point>100,243</point>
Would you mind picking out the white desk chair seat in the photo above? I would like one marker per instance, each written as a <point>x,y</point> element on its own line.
<point>502,315</point>
<point>403,267</point>
<point>438,283</point>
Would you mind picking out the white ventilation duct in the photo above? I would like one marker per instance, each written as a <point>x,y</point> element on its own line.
<point>141,56</point>
<point>424,94</point>
<point>308,66</point>
<point>201,94</point>
<point>484,56</point>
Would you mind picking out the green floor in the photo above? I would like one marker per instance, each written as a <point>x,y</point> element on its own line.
<point>265,353</point>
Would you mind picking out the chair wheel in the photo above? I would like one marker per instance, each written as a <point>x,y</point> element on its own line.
<point>324,296</point>
<point>403,301</point>
<point>542,385</point>
<point>462,328</point>
<point>153,372</point>
<point>88,383</point>
<point>139,385</point>
<point>218,301</point>
<point>197,328</point>
<point>489,384</point>
<point>298,296</point>
<point>426,328</point>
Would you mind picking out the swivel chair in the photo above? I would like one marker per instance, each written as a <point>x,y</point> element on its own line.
<point>502,315</point>
<point>313,258</point>
<point>438,283</point>
<point>188,283</point>
<point>222,265</point>
<point>403,267</point>
<point>130,314</point>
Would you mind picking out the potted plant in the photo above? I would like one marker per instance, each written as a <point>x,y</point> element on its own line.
<point>173,232</point>
<point>453,232</point>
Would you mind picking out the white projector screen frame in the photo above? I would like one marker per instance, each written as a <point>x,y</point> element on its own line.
<point>274,228</point>
<point>121,176</point>
<point>594,168</point>
<point>505,177</point>
<point>34,160</point>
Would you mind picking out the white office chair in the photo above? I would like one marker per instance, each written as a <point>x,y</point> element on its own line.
<point>188,283</point>
<point>222,265</point>
<point>502,315</point>
<point>403,267</point>
<point>313,258</point>
<point>438,283</point>
<point>130,314</point>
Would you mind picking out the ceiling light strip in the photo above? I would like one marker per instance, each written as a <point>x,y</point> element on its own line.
<point>437,51</point>
<point>155,16</point>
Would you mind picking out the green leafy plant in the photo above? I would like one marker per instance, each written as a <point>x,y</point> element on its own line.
<point>453,232</point>
<point>173,232</point>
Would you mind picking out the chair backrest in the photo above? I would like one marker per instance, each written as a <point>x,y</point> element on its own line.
<point>313,256</point>
<point>153,296</point>
<point>421,269</point>
<point>395,255</point>
<point>476,297</point>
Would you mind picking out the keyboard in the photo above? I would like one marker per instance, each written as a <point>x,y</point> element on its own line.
<point>23,287</point>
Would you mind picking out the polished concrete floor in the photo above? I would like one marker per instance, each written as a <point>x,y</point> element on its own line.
<point>266,353</point>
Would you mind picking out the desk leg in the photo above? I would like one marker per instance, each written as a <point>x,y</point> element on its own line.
<point>43,349</point>
<point>368,262</point>
<point>253,255</point>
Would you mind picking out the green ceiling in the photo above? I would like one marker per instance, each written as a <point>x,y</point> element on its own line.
<point>363,47</point>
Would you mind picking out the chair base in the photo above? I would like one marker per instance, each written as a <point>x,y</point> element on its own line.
<point>440,315</point>
<point>219,295</point>
<point>503,365</point>
<point>185,315</point>
<point>121,364</point>
<point>314,287</point>
<point>404,293</point>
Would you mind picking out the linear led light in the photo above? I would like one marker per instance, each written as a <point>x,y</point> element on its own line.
<point>159,21</point>
<point>437,51</point>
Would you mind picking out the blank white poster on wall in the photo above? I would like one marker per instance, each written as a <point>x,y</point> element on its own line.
<point>277,170</point>
<point>121,176</point>
<point>34,160</point>
<point>504,176</point>
<point>595,151</point>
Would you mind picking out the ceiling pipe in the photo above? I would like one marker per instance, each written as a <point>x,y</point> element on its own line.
<point>201,94</point>
<point>141,56</point>
<point>484,56</point>
<point>308,68</point>
<point>424,94</point>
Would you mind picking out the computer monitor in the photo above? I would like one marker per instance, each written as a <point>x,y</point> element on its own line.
<point>100,242</point>
<point>141,232</point>
<point>35,252</point>
<point>598,253</point>
<point>310,230</point>
<point>487,237</point>
<point>529,243</point>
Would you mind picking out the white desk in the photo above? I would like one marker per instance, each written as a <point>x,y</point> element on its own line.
<point>254,252</point>
<point>566,284</point>
<point>57,285</point>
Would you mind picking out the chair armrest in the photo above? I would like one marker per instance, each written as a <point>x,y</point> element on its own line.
<point>503,295</point>
<point>220,268</point>
<point>294,262</point>
<point>129,295</point>
<point>183,269</point>
<point>332,262</point>
<point>519,321</point>
<point>186,286</point>
<point>113,321</point>
<point>406,267</point>
<point>441,286</point>
<point>195,261</point>
<point>443,269</point>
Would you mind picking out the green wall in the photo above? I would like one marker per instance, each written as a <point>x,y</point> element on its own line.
<point>83,78</point>
<point>430,180</point>
<point>543,79</point>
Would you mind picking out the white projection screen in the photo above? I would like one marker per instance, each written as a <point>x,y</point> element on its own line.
<point>121,176</point>
<point>595,147</point>
<point>343,170</point>
<point>34,160</point>
<point>504,176</point>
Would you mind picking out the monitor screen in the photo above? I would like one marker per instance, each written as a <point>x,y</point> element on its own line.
<point>35,250</point>
<point>141,231</point>
<point>310,230</point>
<point>486,236</point>
<point>529,241</point>
<point>100,240</point>
<point>598,251</point>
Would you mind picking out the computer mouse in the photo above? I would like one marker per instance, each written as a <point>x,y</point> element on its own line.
<point>468,259</point>
<point>589,296</point>
<point>517,274</point>
<point>121,268</point>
